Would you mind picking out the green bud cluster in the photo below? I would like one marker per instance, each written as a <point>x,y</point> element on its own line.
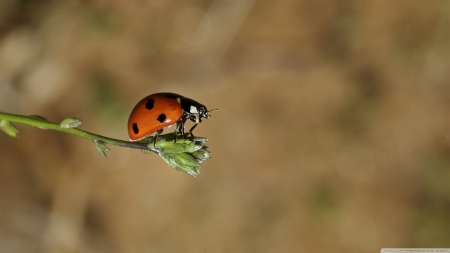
<point>185,155</point>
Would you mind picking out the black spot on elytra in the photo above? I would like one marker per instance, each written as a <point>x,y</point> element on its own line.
<point>149,104</point>
<point>135,128</point>
<point>161,118</point>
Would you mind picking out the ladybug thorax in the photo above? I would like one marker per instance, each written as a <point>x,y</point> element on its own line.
<point>192,107</point>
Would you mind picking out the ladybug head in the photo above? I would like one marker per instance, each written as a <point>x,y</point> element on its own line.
<point>203,112</point>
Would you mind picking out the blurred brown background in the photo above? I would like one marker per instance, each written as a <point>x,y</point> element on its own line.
<point>332,133</point>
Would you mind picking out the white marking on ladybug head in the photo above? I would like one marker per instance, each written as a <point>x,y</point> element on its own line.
<point>179,100</point>
<point>193,109</point>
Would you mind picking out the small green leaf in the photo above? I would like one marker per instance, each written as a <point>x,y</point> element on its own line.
<point>202,155</point>
<point>200,139</point>
<point>101,147</point>
<point>9,128</point>
<point>38,117</point>
<point>166,144</point>
<point>183,162</point>
<point>70,123</point>
<point>171,147</point>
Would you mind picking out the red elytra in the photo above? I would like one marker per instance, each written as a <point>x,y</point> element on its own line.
<point>158,111</point>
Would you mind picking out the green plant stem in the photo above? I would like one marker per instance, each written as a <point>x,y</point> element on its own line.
<point>44,124</point>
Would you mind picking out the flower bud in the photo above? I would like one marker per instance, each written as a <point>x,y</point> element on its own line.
<point>101,147</point>
<point>70,123</point>
<point>9,128</point>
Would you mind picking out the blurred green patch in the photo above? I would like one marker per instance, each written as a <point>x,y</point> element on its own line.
<point>342,32</point>
<point>105,98</point>
<point>323,204</point>
<point>432,226</point>
<point>101,23</point>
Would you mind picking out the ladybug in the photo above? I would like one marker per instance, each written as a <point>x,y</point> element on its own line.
<point>158,111</point>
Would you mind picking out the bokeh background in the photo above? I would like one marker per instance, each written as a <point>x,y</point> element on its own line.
<point>332,135</point>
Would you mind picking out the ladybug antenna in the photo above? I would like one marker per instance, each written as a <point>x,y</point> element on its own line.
<point>211,111</point>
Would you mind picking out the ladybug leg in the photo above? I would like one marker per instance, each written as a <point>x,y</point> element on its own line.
<point>192,128</point>
<point>182,127</point>
<point>179,128</point>
<point>182,130</point>
<point>186,116</point>
<point>175,133</point>
<point>194,119</point>
<point>156,136</point>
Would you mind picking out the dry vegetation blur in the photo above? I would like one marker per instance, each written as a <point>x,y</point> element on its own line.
<point>332,135</point>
